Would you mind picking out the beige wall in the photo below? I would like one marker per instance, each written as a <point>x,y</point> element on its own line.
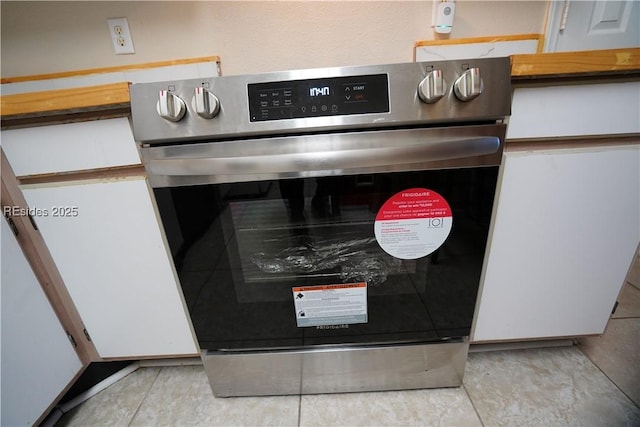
<point>44,37</point>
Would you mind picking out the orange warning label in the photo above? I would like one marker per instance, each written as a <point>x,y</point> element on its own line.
<point>329,287</point>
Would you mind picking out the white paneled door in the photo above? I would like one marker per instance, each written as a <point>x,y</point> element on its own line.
<point>590,25</point>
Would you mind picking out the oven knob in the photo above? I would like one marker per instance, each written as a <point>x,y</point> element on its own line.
<point>205,103</point>
<point>468,85</point>
<point>170,106</point>
<point>432,87</point>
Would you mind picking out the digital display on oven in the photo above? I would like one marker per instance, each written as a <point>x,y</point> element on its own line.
<point>334,96</point>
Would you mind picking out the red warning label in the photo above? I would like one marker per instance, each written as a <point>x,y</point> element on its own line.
<point>414,203</point>
<point>413,223</point>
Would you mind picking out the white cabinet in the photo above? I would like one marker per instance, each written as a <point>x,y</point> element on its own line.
<point>566,227</point>
<point>38,360</point>
<point>104,237</point>
<point>107,244</point>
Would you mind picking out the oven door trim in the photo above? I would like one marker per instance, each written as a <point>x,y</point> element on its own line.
<point>329,154</point>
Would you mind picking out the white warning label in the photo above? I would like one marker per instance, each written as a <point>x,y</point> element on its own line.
<point>330,304</point>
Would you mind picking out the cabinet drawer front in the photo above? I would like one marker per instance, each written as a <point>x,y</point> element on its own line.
<point>70,147</point>
<point>574,110</point>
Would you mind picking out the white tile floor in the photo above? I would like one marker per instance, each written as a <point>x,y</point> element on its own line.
<point>594,383</point>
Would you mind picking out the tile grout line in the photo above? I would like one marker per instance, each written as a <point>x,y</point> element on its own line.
<point>145,397</point>
<point>632,284</point>
<point>299,409</point>
<point>473,404</point>
<point>607,376</point>
<point>625,318</point>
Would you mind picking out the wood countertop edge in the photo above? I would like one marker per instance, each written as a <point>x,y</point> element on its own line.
<point>570,142</point>
<point>114,69</point>
<point>525,67</point>
<point>575,64</point>
<point>486,39</point>
<point>65,101</point>
<point>60,104</point>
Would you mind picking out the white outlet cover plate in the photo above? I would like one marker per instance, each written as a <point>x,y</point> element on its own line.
<point>120,36</point>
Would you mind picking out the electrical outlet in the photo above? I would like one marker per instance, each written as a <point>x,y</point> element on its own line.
<point>120,36</point>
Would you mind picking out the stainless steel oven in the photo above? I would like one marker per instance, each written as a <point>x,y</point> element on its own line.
<point>328,226</point>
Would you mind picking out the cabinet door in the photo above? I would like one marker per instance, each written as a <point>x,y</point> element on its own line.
<point>566,227</point>
<point>38,360</point>
<point>105,238</point>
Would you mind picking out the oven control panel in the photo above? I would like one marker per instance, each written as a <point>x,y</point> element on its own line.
<point>435,93</point>
<point>295,99</point>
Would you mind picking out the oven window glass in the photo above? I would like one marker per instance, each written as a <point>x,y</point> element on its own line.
<point>239,250</point>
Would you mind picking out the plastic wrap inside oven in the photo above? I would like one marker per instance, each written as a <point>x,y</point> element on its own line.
<point>352,258</point>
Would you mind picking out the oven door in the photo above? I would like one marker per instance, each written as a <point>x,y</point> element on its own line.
<point>364,238</point>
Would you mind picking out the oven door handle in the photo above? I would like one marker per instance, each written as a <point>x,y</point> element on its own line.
<point>326,160</point>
